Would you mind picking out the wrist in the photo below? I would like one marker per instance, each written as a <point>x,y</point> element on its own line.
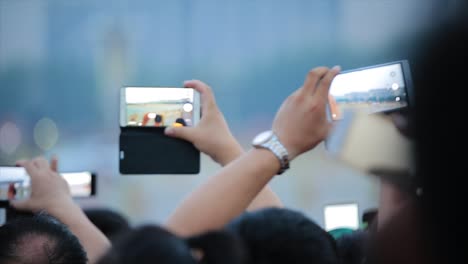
<point>268,158</point>
<point>232,150</point>
<point>270,141</point>
<point>62,208</point>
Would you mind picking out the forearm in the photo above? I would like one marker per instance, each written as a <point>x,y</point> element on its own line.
<point>266,197</point>
<point>225,195</point>
<point>91,238</point>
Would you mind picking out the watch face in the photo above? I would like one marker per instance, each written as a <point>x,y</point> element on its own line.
<point>262,137</point>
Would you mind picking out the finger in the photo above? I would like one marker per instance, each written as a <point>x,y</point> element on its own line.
<point>22,205</point>
<point>325,82</point>
<point>312,78</point>
<point>206,94</point>
<point>41,163</point>
<point>186,133</point>
<point>54,164</point>
<point>20,163</point>
<point>30,168</point>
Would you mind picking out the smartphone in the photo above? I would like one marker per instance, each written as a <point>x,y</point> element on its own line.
<point>159,107</point>
<point>378,88</point>
<point>15,183</point>
<point>341,216</point>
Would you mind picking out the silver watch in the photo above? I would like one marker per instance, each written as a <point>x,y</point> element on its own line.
<point>268,140</point>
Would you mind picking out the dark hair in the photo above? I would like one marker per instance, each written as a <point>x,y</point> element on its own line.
<point>148,244</point>
<point>275,235</point>
<point>154,244</point>
<point>158,118</point>
<point>181,121</point>
<point>219,247</point>
<point>440,96</point>
<point>369,216</point>
<point>110,222</point>
<point>352,247</point>
<point>48,239</point>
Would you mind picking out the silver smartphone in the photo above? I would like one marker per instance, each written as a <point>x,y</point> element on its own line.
<point>15,183</point>
<point>159,107</point>
<point>377,88</point>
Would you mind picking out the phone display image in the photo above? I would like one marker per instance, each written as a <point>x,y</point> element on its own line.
<point>373,89</point>
<point>159,107</point>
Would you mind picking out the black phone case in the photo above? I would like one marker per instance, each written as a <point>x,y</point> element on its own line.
<point>149,151</point>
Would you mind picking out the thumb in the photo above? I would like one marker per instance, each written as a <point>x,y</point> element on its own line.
<point>180,132</point>
<point>22,205</point>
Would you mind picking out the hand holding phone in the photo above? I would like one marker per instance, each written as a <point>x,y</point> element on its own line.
<point>51,191</point>
<point>144,114</point>
<point>221,145</point>
<point>15,183</point>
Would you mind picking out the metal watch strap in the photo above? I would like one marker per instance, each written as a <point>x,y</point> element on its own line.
<point>275,146</point>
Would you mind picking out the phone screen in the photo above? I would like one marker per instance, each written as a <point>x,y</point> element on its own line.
<point>373,89</point>
<point>159,107</point>
<point>15,183</point>
<point>341,216</point>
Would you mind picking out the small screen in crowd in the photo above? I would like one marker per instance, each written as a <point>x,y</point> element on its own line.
<point>341,216</point>
<point>158,107</point>
<point>374,89</point>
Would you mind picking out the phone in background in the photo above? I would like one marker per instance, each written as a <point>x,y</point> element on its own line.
<point>378,88</point>
<point>15,183</point>
<point>341,216</point>
<point>159,107</point>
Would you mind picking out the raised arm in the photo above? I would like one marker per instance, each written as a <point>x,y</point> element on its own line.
<point>221,146</point>
<point>300,125</point>
<point>50,192</point>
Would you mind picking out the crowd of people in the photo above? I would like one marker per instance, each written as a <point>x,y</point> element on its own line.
<point>250,224</point>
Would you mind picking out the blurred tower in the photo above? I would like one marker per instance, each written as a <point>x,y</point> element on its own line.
<point>112,73</point>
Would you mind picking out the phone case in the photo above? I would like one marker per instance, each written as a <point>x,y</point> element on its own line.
<point>149,151</point>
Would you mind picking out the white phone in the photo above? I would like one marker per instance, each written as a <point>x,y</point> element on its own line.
<point>15,183</point>
<point>159,107</point>
<point>377,88</point>
<point>341,216</point>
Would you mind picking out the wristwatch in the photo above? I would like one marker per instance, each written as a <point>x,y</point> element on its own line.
<point>268,140</point>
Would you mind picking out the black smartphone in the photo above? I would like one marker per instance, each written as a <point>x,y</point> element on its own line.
<point>378,88</point>
<point>15,183</point>
<point>144,114</point>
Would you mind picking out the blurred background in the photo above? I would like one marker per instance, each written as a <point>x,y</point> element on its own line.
<point>62,64</point>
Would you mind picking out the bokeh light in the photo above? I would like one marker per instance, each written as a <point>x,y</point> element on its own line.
<point>10,138</point>
<point>188,107</point>
<point>46,134</point>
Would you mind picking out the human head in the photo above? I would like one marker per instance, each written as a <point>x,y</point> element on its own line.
<point>40,239</point>
<point>180,121</point>
<point>110,222</point>
<point>148,244</point>
<point>440,81</point>
<point>276,235</point>
<point>154,244</point>
<point>351,247</point>
<point>158,119</point>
